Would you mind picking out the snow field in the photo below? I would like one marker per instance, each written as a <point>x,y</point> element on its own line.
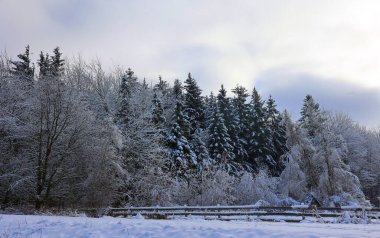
<point>84,227</point>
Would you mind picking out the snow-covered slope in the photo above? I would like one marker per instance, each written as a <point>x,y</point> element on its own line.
<point>55,226</point>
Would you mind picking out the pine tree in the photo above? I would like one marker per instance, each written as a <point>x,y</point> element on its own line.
<point>220,146</point>
<point>194,107</point>
<point>258,140</point>
<point>56,63</point>
<point>183,159</point>
<point>242,111</point>
<point>211,103</point>
<point>223,103</point>
<point>177,88</point>
<point>158,117</point>
<point>312,119</point>
<point>23,68</point>
<point>44,65</point>
<point>277,135</point>
<point>144,84</point>
<point>231,120</point>
<point>200,149</point>
<point>161,86</point>
<point>128,84</point>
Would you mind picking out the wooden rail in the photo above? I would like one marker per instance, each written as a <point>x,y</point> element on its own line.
<point>294,213</point>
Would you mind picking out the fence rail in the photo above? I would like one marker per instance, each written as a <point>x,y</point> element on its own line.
<point>293,213</point>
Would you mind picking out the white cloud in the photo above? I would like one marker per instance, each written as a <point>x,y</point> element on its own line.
<point>219,41</point>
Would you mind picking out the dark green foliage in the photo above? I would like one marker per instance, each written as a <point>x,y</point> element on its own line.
<point>220,146</point>
<point>51,66</point>
<point>56,63</point>
<point>182,158</point>
<point>161,86</point>
<point>242,112</point>
<point>231,119</point>
<point>312,119</point>
<point>258,140</point>
<point>277,136</point>
<point>128,84</point>
<point>177,88</point>
<point>200,149</point>
<point>193,102</point>
<point>44,65</point>
<point>23,69</point>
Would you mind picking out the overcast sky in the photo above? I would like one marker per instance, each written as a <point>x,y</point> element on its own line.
<point>287,48</point>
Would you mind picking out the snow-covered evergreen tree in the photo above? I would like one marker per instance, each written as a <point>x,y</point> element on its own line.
<point>183,159</point>
<point>56,63</point>
<point>44,65</point>
<point>242,110</point>
<point>127,86</point>
<point>258,139</point>
<point>220,146</point>
<point>200,149</point>
<point>312,118</point>
<point>23,68</point>
<point>158,117</point>
<point>161,86</point>
<point>231,119</point>
<point>276,143</point>
<point>193,104</point>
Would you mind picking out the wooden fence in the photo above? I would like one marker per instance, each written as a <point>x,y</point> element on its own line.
<point>266,213</point>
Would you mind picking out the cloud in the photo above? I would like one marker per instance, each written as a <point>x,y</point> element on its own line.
<point>289,90</point>
<point>219,41</point>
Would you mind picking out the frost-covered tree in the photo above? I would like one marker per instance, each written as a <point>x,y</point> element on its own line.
<point>199,147</point>
<point>128,85</point>
<point>177,88</point>
<point>242,111</point>
<point>157,113</point>
<point>219,142</point>
<point>193,104</point>
<point>44,65</point>
<point>262,187</point>
<point>181,156</point>
<point>231,120</point>
<point>56,63</point>
<point>23,68</point>
<point>276,142</point>
<point>319,154</point>
<point>312,118</point>
<point>259,135</point>
<point>161,86</point>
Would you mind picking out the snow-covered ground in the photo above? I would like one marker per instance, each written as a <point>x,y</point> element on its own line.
<point>57,226</point>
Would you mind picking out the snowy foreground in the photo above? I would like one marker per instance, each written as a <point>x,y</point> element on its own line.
<point>56,226</point>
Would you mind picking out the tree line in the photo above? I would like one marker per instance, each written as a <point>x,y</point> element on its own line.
<point>73,135</point>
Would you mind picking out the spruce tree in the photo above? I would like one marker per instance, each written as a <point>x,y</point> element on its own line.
<point>312,119</point>
<point>56,63</point>
<point>220,146</point>
<point>177,88</point>
<point>223,103</point>
<point>162,86</point>
<point>211,103</point>
<point>23,69</point>
<point>194,107</point>
<point>44,65</point>
<point>277,135</point>
<point>231,120</point>
<point>127,85</point>
<point>183,159</point>
<point>200,149</point>
<point>258,140</point>
<point>242,111</point>
<point>181,118</point>
<point>158,117</point>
